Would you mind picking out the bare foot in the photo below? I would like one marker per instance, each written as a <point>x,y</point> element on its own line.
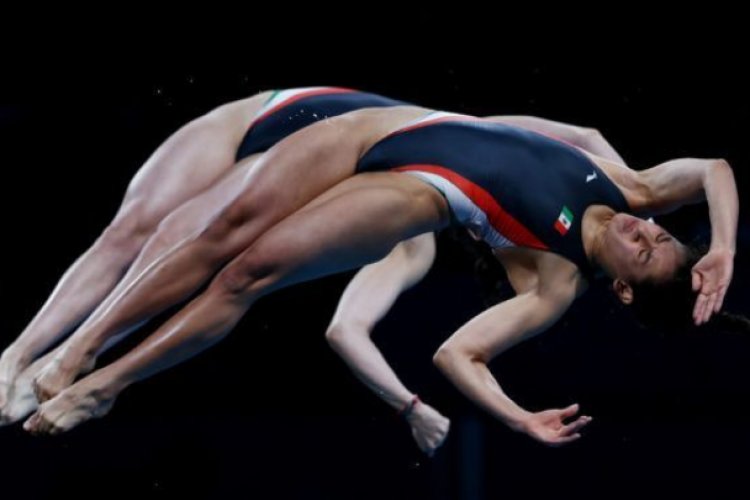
<point>11,364</point>
<point>22,400</point>
<point>75,405</point>
<point>58,374</point>
<point>6,391</point>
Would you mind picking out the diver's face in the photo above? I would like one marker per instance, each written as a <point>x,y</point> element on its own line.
<point>635,250</point>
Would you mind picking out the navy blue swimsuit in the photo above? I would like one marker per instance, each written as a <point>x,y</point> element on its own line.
<point>288,111</point>
<point>512,186</point>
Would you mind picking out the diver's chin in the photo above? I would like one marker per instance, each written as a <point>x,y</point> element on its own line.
<point>600,245</point>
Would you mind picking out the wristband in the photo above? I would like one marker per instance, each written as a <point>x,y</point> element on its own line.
<point>409,407</point>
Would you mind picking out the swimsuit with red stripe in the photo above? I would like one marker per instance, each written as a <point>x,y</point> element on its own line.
<point>532,188</point>
<point>303,110</point>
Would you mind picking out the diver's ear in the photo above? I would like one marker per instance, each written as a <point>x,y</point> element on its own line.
<point>623,291</point>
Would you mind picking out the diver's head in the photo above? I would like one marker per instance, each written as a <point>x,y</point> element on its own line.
<point>662,297</point>
<point>633,251</point>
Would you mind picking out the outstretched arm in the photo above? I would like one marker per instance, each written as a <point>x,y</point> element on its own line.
<point>586,138</point>
<point>464,356</point>
<point>366,300</point>
<point>672,184</point>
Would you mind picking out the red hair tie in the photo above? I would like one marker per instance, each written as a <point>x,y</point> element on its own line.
<point>409,407</point>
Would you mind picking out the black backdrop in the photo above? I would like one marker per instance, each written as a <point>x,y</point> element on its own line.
<point>271,412</point>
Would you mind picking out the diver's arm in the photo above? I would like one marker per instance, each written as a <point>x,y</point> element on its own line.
<point>369,297</point>
<point>586,138</point>
<point>672,184</point>
<point>366,300</point>
<point>464,356</point>
<point>683,181</point>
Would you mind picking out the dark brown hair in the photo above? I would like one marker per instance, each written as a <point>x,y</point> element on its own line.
<point>667,306</point>
<point>488,273</point>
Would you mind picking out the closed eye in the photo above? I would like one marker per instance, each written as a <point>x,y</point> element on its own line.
<point>664,238</point>
<point>644,256</point>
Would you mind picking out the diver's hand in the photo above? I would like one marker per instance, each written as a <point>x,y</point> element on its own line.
<point>428,427</point>
<point>548,426</point>
<point>711,275</point>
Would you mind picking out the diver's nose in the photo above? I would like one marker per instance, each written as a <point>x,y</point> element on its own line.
<point>642,232</point>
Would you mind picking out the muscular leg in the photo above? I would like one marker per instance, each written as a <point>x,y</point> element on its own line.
<point>192,216</point>
<point>189,161</point>
<point>282,181</point>
<point>357,227</point>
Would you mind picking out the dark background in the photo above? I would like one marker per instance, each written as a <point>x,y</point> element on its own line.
<point>271,412</point>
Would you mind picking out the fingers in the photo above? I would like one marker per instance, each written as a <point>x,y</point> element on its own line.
<point>710,304</point>
<point>429,446</point>
<point>432,447</point>
<point>437,444</point>
<point>567,439</point>
<point>696,281</point>
<point>569,433</point>
<point>566,433</point>
<point>720,299</point>
<point>569,411</point>
<point>429,441</point>
<point>711,276</point>
<point>706,311</point>
<point>707,304</point>
<point>700,308</point>
<point>560,440</point>
<point>574,427</point>
<point>706,300</point>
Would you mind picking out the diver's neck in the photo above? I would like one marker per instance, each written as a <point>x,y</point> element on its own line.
<point>593,226</point>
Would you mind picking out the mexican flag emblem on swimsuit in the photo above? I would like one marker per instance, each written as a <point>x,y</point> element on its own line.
<point>564,220</point>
